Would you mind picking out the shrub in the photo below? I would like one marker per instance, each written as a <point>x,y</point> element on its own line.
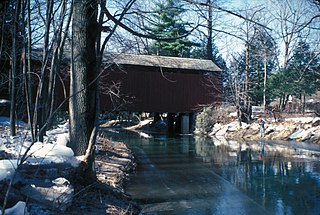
<point>314,107</point>
<point>209,116</point>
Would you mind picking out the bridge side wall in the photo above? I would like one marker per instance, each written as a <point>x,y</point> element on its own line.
<point>151,89</point>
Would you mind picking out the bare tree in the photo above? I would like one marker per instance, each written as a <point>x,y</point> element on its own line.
<point>56,20</point>
<point>16,56</point>
<point>246,34</point>
<point>83,86</point>
<point>292,19</point>
<point>60,27</point>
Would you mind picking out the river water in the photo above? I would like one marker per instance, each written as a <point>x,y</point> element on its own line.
<point>188,175</point>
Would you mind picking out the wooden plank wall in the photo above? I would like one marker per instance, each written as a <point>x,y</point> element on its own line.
<point>149,89</point>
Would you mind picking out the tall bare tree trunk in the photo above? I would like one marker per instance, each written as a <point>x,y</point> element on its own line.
<point>56,61</point>
<point>14,69</point>
<point>83,86</point>
<point>265,83</point>
<point>2,17</point>
<point>247,64</point>
<point>27,72</point>
<point>209,21</point>
<point>247,104</point>
<point>39,112</point>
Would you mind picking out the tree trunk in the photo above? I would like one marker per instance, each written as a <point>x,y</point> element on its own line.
<point>209,43</point>
<point>41,98</point>
<point>27,73</point>
<point>50,105</point>
<point>303,103</point>
<point>14,69</point>
<point>83,86</point>
<point>247,104</point>
<point>57,55</point>
<point>265,83</point>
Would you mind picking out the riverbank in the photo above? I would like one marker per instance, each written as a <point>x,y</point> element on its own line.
<point>43,184</point>
<point>300,129</point>
<point>114,163</point>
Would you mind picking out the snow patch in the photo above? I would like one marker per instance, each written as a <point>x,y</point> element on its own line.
<point>7,168</point>
<point>62,139</point>
<point>43,150</point>
<point>53,150</point>
<point>19,208</point>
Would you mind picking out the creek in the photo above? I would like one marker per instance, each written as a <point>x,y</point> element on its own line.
<point>188,175</point>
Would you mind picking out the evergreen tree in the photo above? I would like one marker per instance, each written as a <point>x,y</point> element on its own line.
<point>200,52</point>
<point>169,25</point>
<point>281,85</point>
<point>262,49</point>
<point>299,79</point>
<point>302,70</point>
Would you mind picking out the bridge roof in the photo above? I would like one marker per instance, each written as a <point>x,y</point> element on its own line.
<point>148,60</point>
<point>165,62</point>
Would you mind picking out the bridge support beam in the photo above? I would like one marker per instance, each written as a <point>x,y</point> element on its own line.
<point>184,122</point>
<point>156,117</point>
<point>170,121</point>
<point>192,122</point>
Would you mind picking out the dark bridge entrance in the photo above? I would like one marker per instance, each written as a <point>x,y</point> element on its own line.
<point>178,87</point>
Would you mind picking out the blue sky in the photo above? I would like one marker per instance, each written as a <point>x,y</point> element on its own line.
<point>270,10</point>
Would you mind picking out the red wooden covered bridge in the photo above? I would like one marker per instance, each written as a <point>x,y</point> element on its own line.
<point>158,84</point>
<point>178,87</point>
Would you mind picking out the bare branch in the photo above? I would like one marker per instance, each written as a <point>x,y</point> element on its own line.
<point>228,11</point>
<point>149,36</point>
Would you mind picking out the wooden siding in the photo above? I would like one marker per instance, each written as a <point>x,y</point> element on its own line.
<point>151,89</point>
<point>160,88</point>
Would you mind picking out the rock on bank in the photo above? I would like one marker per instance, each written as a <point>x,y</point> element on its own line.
<point>306,129</point>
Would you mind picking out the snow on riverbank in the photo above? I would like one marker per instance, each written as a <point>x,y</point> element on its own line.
<point>42,177</point>
<point>32,158</point>
<point>53,150</point>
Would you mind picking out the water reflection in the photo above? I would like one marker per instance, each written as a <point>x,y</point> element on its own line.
<point>188,175</point>
<point>283,179</point>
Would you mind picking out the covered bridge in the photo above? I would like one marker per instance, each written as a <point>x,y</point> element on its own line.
<point>158,84</point>
<point>176,86</point>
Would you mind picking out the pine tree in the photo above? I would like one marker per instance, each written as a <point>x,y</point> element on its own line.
<point>262,58</point>
<point>300,78</point>
<point>169,25</point>
<point>261,47</point>
<point>302,69</point>
<point>200,52</point>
